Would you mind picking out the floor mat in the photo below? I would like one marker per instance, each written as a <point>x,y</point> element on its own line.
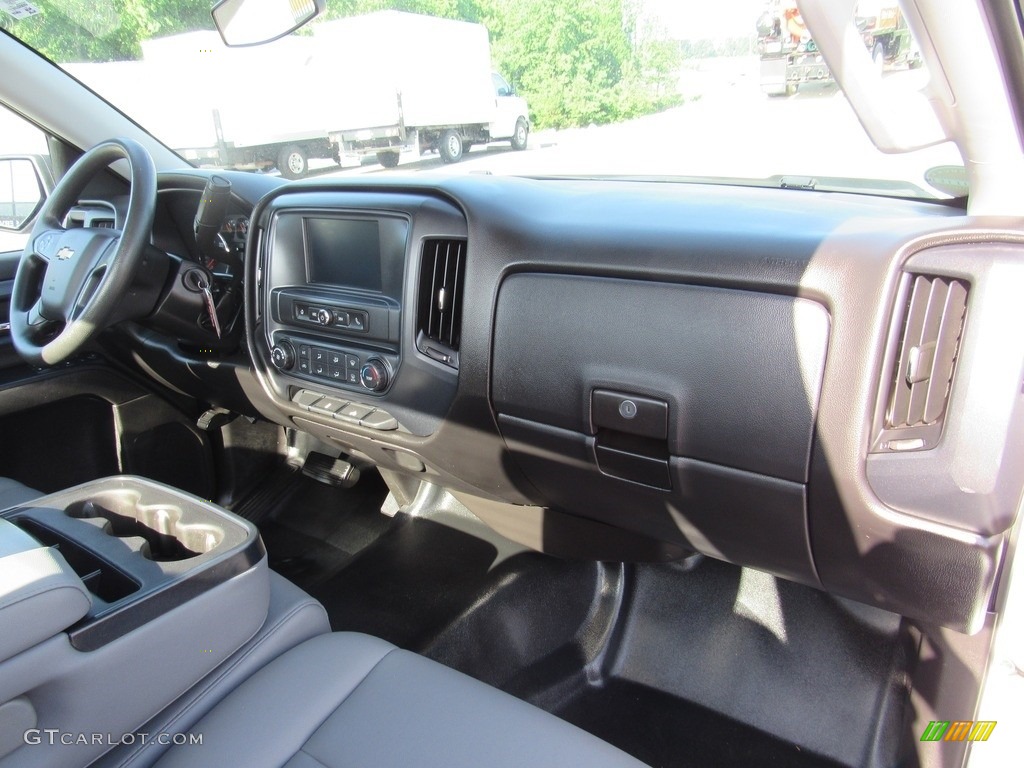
<point>651,658</point>
<point>312,530</point>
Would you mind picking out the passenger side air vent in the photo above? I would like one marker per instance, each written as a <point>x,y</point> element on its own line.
<point>439,308</point>
<point>928,345</point>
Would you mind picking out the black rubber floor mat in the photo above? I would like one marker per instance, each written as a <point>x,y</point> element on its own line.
<point>409,583</point>
<point>312,530</point>
<point>663,730</point>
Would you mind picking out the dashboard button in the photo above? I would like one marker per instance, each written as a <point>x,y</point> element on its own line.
<point>319,355</point>
<point>304,365</point>
<point>357,321</point>
<point>341,318</point>
<point>336,358</point>
<point>353,412</point>
<point>374,375</point>
<point>304,350</point>
<point>327,405</point>
<point>283,356</point>
<point>338,374</point>
<point>641,416</point>
<point>320,369</point>
<point>352,376</point>
<point>305,398</point>
<point>380,420</point>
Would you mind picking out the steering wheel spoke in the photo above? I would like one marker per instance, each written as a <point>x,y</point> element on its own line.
<point>92,283</point>
<point>37,321</point>
<point>34,317</point>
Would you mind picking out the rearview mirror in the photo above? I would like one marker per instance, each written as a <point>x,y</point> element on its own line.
<point>254,22</point>
<point>23,189</point>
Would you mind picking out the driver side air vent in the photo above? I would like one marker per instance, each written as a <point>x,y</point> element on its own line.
<point>928,346</point>
<point>439,307</point>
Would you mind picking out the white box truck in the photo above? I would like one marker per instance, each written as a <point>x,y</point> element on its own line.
<point>211,102</point>
<point>406,81</point>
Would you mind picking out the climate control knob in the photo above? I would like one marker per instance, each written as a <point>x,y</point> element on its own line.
<point>375,375</point>
<point>283,356</point>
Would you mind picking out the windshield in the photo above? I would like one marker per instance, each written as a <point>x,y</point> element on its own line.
<point>732,90</point>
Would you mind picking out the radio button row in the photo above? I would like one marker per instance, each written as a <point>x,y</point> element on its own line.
<point>332,317</point>
<point>353,413</point>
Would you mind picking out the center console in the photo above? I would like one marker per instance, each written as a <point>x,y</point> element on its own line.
<point>357,302</point>
<point>140,549</point>
<point>118,597</point>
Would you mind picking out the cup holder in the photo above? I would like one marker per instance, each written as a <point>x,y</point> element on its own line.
<point>167,538</point>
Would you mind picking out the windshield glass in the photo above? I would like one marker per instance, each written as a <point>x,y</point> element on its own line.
<point>732,90</point>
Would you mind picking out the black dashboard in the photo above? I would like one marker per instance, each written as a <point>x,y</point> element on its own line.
<point>817,385</point>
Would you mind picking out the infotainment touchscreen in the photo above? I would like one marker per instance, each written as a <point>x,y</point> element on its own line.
<point>344,252</point>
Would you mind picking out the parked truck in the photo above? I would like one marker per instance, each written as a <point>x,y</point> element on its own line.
<point>430,87</point>
<point>790,57</point>
<point>210,101</point>
<point>230,125</point>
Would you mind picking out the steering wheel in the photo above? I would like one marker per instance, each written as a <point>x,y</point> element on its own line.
<point>70,282</point>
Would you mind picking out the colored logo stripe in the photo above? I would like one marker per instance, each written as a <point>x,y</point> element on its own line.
<point>958,730</point>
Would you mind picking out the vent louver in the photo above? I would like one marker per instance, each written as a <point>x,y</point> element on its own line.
<point>926,358</point>
<point>440,300</point>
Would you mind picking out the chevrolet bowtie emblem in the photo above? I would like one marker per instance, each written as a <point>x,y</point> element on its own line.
<point>65,253</point>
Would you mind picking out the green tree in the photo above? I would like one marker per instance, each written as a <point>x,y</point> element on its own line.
<point>581,61</point>
<point>105,30</point>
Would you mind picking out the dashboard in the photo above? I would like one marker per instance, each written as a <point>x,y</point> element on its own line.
<point>817,385</point>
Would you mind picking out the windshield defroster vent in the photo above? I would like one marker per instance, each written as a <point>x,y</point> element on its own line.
<point>929,344</point>
<point>439,308</point>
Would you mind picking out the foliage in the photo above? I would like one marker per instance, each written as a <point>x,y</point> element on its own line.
<point>579,62</point>
<point>576,61</point>
<point>105,30</point>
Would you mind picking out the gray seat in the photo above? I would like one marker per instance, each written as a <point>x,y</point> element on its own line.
<point>346,699</point>
<point>13,493</point>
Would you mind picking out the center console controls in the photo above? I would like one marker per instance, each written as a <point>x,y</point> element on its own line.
<point>339,302</point>
<point>344,367</point>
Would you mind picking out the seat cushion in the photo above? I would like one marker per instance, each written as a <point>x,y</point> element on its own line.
<point>13,493</point>
<point>347,699</point>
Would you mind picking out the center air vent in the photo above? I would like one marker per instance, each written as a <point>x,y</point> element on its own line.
<point>929,343</point>
<point>439,308</point>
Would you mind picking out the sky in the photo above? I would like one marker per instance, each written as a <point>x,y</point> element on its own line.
<point>698,19</point>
